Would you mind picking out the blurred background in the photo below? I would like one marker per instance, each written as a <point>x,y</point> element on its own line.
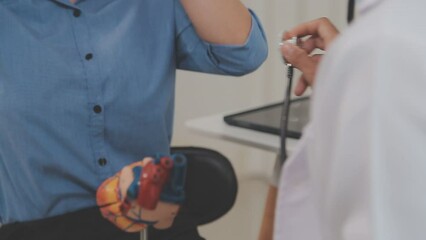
<point>199,95</point>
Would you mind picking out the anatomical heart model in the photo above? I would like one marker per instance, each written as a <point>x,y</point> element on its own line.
<point>145,193</point>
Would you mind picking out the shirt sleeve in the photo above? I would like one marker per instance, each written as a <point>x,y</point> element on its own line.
<point>197,55</point>
<point>369,156</point>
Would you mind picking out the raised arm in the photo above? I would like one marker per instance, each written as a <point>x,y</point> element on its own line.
<point>215,37</point>
<point>219,21</point>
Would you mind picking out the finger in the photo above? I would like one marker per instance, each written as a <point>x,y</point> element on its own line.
<point>316,57</point>
<point>301,86</point>
<point>321,28</point>
<point>312,43</point>
<point>309,44</point>
<point>303,83</point>
<point>299,59</point>
<point>286,36</point>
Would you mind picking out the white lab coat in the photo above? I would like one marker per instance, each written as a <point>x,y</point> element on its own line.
<point>359,172</point>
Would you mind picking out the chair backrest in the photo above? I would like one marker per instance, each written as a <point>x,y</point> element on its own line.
<point>210,189</point>
<point>211,184</point>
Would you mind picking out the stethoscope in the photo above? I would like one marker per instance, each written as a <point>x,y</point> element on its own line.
<point>285,111</point>
<point>286,108</point>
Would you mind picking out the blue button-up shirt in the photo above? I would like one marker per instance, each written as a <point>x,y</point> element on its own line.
<point>87,89</point>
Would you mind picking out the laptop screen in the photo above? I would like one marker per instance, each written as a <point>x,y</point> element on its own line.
<point>268,118</point>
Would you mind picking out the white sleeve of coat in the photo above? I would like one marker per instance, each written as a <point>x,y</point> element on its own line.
<point>368,157</point>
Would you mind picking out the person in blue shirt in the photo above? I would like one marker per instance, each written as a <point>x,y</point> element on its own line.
<point>87,87</point>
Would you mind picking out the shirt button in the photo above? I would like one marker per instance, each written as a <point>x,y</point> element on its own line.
<point>102,162</point>
<point>97,109</point>
<point>89,56</point>
<point>77,13</point>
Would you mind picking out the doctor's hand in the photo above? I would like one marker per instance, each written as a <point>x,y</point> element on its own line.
<point>316,34</point>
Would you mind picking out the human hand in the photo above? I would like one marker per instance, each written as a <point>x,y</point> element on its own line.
<point>316,34</point>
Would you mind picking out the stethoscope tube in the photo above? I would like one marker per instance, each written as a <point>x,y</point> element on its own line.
<point>285,113</point>
<point>351,11</point>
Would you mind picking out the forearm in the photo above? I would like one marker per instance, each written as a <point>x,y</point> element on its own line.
<point>219,21</point>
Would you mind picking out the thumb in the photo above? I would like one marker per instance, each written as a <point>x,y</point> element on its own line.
<point>301,86</point>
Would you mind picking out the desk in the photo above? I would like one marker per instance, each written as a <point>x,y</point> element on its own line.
<point>214,126</point>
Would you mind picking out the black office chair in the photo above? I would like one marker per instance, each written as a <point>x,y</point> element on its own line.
<point>211,190</point>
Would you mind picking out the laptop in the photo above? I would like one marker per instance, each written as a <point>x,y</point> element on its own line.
<point>268,118</point>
